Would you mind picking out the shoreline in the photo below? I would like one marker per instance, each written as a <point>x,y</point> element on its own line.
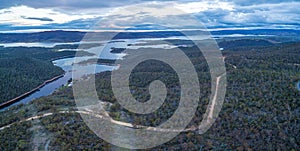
<point>18,98</point>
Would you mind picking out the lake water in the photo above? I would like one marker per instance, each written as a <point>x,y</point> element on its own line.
<point>51,45</point>
<point>67,63</point>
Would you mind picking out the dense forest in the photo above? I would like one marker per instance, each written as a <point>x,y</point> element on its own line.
<point>24,68</point>
<point>260,111</point>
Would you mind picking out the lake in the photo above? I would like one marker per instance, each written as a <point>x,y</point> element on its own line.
<point>67,63</point>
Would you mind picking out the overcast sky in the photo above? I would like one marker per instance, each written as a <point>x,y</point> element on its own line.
<point>83,14</point>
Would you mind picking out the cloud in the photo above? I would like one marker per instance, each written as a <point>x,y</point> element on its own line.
<point>85,13</point>
<point>40,19</point>
<point>281,13</point>
<point>154,14</point>
<point>27,16</point>
<point>79,4</point>
<point>202,6</point>
<point>267,14</point>
<point>214,13</point>
<point>73,4</point>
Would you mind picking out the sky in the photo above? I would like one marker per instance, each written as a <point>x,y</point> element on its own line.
<point>84,14</point>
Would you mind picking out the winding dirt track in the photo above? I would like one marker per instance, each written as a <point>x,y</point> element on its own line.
<point>106,117</point>
<point>102,117</point>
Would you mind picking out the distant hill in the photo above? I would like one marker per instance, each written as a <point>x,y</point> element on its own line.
<point>244,43</point>
<point>277,32</point>
<point>76,36</point>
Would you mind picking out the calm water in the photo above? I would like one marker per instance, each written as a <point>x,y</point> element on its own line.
<point>66,64</point>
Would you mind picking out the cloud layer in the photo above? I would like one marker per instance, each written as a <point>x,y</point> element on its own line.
<point>82,14</point>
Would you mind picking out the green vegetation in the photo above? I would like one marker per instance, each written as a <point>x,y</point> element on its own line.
<point>98,61</point>
<point>18,137</point>
<point>24,68</point>
<point>20,75</point>
<point>260,111</point>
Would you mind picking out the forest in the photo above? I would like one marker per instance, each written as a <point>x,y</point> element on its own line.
<point>24,68</point>
<point>260,111</point>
